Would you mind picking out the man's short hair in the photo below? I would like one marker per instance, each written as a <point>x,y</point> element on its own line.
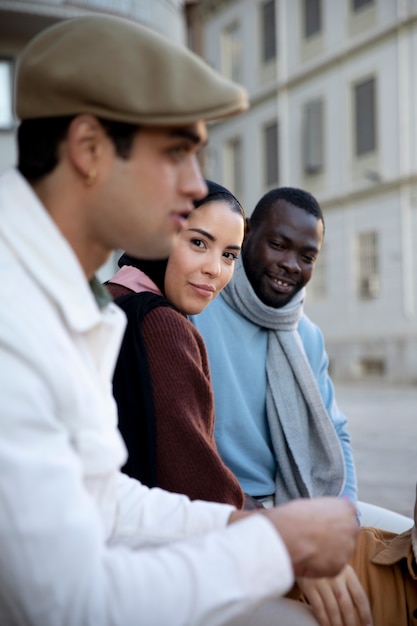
<point>38,141</point>
<point>297,197</point>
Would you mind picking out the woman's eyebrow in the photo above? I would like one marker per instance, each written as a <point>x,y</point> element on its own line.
<point>205,233</point>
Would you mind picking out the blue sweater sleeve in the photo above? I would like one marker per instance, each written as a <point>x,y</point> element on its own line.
<point>313,342</point>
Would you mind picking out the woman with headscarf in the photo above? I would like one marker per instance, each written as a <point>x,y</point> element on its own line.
<point>162,382</point>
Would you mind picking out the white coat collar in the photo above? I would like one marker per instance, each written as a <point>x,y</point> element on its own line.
<point>41,249</point>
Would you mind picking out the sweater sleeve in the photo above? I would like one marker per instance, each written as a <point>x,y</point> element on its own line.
<point>187,458</point>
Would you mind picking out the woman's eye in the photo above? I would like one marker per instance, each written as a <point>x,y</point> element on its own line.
<point>230,256</point>
<point>199,243</point>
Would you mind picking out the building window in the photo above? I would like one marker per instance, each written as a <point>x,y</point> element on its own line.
<point>313,140</point>
<point>372,367</point>
<point>368,266</point>
<point>312,17</point>
<point>6,91</point>
<point>232,52</point>
<point>317,287</point>
<point>357,5</point>
<point>234,166</point>
<point>269,36</point>
<point>365,117</point>
<point>271,154</point>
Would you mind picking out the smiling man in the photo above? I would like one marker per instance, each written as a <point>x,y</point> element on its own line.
<point>277,425</point>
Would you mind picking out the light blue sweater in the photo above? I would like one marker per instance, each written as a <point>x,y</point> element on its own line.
<point>237,354</point>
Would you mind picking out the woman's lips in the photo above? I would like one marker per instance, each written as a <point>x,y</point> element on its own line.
<point>203,290</point>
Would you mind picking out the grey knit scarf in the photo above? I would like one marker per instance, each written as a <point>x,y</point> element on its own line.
<point>309,455</point>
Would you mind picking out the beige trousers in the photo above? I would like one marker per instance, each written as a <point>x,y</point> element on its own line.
<point>279,612</point>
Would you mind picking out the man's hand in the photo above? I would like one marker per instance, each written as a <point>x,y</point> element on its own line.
<point>320,534</point>
<point>337,601</point>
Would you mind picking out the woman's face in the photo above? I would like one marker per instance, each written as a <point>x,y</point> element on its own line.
<point>202,260</point>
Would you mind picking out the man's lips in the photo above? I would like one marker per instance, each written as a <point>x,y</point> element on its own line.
<point>281,284</point>
<point>180,216</point>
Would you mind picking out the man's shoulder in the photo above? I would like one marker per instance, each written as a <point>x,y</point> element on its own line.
<point>311,336</point>
<point>306,325</point>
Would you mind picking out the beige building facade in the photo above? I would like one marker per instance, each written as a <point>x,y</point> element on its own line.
<point>333,89</point>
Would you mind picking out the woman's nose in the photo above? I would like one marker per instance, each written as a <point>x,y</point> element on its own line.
<point>212,265</point>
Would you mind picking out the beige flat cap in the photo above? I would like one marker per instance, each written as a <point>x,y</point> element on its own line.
<point>119,70</point>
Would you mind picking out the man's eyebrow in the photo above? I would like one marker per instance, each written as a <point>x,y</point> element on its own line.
<point>306,248</point>
<point>190,134</point>
<point>311,248</point>
<point>203,232</point>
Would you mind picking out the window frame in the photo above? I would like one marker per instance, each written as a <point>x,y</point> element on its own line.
<point>360,5</point>
<point>308,14</point>
<point>365,131</point>
<point>232,51</point>
<point>270,130</point>
<point>368,277</point>
<point>233,157</point>
<point>313,133</point>
<point>268,32</point>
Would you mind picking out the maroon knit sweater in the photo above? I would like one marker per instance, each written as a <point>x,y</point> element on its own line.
<point>187,458</point>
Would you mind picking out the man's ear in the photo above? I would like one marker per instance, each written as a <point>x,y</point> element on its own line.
<point>85,144</point>
<point>247,229</point>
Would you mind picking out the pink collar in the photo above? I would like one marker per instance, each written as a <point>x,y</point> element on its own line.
<point>134,279</point>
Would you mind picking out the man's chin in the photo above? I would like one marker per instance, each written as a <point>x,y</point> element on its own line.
<point>273,302</point>
<point>276,300</point>
<point>152,251</point>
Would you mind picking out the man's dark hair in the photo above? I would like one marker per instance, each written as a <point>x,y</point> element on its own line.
<point>38,141</point>
<point>298,197</point>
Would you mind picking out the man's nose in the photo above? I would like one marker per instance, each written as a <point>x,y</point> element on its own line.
<point>193,181</point>
<point>290,261</point>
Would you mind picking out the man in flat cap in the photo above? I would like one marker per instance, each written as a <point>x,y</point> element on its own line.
<point>112,118</point>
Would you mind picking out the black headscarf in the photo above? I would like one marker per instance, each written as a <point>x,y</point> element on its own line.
<point>155,269</point>
<point>216,192</point>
